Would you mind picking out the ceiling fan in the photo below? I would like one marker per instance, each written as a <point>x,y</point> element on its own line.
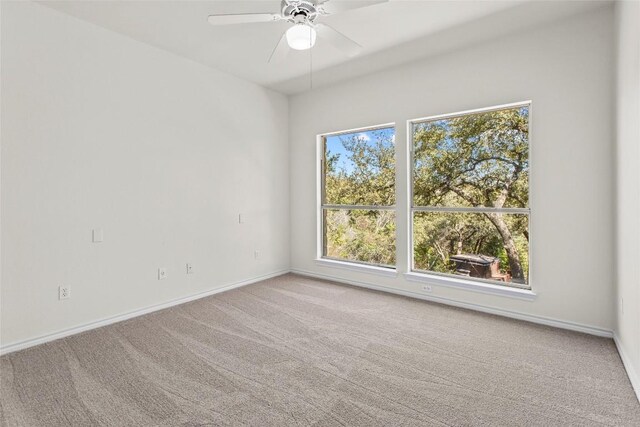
<point>304,15</point>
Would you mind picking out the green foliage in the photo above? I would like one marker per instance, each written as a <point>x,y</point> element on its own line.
<point>438,235</point>
<point>477,160</point>
<point>473,160</point>
<point>364,236</point>
<point>370,180</point>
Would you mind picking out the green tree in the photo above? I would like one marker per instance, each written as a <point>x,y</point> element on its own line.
<point>474,161</point>
<point>366,176</point>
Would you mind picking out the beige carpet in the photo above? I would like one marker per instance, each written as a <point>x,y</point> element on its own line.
<point>299,351</point>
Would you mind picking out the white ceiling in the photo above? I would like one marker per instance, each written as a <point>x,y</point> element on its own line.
<point>391,33</point>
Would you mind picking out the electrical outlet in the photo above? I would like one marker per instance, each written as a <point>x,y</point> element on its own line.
<point>427,288</point>
<point>162,273</point>
<point>189,268</point>
<point>64,292</point>
<point>256,254</point>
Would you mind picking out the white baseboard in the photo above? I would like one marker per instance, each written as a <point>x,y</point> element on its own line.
<point>9,348</point>
<point>626,361</point>
<point>563,324</point>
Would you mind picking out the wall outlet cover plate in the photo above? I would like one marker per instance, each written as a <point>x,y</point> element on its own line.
<point>64,292</point>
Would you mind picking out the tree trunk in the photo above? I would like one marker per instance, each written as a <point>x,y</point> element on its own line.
<point>441,252</point>
<point>509,245</point>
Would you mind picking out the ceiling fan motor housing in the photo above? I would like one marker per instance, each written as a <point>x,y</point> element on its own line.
<point>299,11</point>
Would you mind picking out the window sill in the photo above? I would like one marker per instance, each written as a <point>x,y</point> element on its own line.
<point>345,265</point>
<point>485,288</point>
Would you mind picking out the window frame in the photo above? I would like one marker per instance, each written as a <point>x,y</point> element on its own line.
<point>321,259</point>
<point>447,279</point>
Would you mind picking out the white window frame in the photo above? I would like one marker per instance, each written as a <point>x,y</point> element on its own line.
<point>450,280</point>
<point>354,265</point>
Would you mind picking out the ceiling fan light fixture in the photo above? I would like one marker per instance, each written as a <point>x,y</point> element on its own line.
<point>301,37</point>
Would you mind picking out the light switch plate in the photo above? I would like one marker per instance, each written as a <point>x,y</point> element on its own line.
<point>162,273</point>
<point>98,235</point>
<point>189,268</point>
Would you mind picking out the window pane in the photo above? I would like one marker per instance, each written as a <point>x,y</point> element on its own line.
<point>360,168</point>
<point>361,236</point>
<point>492,246</point>
<point>478,159</point>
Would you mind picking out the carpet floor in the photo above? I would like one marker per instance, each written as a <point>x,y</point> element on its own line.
<point>298,351</point>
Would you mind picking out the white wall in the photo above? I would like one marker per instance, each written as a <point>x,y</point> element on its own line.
<point>99,130</point>
<point>566,69</point>
<point>163,154</point>
<point>628,185</point>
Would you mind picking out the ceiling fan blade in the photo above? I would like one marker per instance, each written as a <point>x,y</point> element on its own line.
<point>337,39</point>
<point>242,18</point>
<point>281,50</point>
<point>329,7</point>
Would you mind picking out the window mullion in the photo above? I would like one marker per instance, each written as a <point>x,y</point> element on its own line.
<point>360,207</point>
<point>480,209</point>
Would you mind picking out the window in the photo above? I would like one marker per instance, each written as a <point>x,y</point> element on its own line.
<point>358,197</point>
<point>470,195</point>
